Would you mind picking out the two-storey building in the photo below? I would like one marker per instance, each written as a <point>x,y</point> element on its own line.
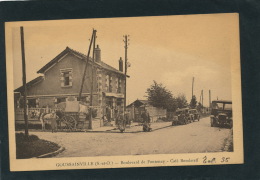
<point>61,79</point>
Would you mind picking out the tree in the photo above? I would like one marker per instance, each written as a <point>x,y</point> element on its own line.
<point>159,96</point>
<point>181,101</point>
<point>193,102</point>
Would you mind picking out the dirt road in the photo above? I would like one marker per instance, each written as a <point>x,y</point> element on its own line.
<point>197,137</point>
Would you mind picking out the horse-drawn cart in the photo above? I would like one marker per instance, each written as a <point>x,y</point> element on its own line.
<point>67,121</point>
<point>73,119</point>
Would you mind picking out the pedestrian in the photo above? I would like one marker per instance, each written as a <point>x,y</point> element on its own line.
<point>53,122</point>
<point>146,121</point>
<point>145,116</point>
<point>108,113</point>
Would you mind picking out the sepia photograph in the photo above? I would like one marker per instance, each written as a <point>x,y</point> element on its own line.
<point>124,92</point>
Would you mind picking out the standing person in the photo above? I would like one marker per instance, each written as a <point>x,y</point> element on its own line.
<point>121,122</point>
<point>53,122</point>
<point>146,121</point>
<point>108,112</point>
<point>116,116</point>
<point>145,116</point>
<point>40,117</point>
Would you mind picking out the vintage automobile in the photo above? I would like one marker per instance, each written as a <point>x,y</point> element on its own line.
<point>221,114</point>
<point>194,115</point>
<point>181,117</point>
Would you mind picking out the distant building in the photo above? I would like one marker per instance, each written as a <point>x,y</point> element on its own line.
<point>61,79</point>
<point>137,107</point>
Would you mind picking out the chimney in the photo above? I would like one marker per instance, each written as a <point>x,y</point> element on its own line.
<point>120,64</point>
<point>97,54</point>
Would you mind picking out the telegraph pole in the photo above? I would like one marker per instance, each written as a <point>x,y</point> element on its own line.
<point>92,79</point>
<point>84,73</point>
<point>24,83</point>
<point>202,97</point>
<point>192,87</point>
<point>209,99</point>
<point>126,46</point>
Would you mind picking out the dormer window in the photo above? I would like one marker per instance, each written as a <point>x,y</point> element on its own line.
<point>66,77</point>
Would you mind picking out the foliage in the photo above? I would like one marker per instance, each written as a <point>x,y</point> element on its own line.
<point>159,96</point>
<point>181,101</point>
<point>193,102</point>
<point>33,146</point>
<point>21,137</point>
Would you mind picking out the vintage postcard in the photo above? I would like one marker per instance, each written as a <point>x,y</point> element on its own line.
<point>124,92</point>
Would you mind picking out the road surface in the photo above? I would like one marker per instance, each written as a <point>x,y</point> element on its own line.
<point>197,137</point>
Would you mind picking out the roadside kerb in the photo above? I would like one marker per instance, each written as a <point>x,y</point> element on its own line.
<point>132,129</point>
<point>51,154</point>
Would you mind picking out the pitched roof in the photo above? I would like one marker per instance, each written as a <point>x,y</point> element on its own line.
<point>83,56</point>
<point>139,103</point>
<point>30,83</point>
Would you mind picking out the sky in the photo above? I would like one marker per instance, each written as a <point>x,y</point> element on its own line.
<point>168,49</point>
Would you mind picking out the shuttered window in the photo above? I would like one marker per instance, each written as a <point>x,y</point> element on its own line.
<point>110,84</point>
<point>119,85</point>
<point>107,82</point>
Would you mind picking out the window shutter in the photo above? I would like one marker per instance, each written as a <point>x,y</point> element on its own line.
<point>110,84</point>
<point>61,80</point>
<point>116,85</point>
<point>107,83</point>
<point>70,78</point>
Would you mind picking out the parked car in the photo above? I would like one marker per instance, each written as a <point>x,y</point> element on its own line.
<point>221,114</point>
<point>181,117</point>
<point>194,115</point>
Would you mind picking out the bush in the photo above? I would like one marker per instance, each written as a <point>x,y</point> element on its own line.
<point>20,137</point>
<point>33,146</point>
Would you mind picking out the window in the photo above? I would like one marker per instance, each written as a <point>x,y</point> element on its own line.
<point>119,102</point>
<point>119,85</point>
<point>228,107</point>
<point>66,77</point>
<point>62,99</point>
<point>108,83</point>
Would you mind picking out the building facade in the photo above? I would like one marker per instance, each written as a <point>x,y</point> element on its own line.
<point>60,82</point>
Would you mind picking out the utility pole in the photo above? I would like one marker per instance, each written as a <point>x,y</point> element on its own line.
<point>24,84</point>
<point>192,87</point>
<point>92,79</point>
<point>209,99</point>
<point>202,97</point>
<point>126,46</point>
<point>84,73</point>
